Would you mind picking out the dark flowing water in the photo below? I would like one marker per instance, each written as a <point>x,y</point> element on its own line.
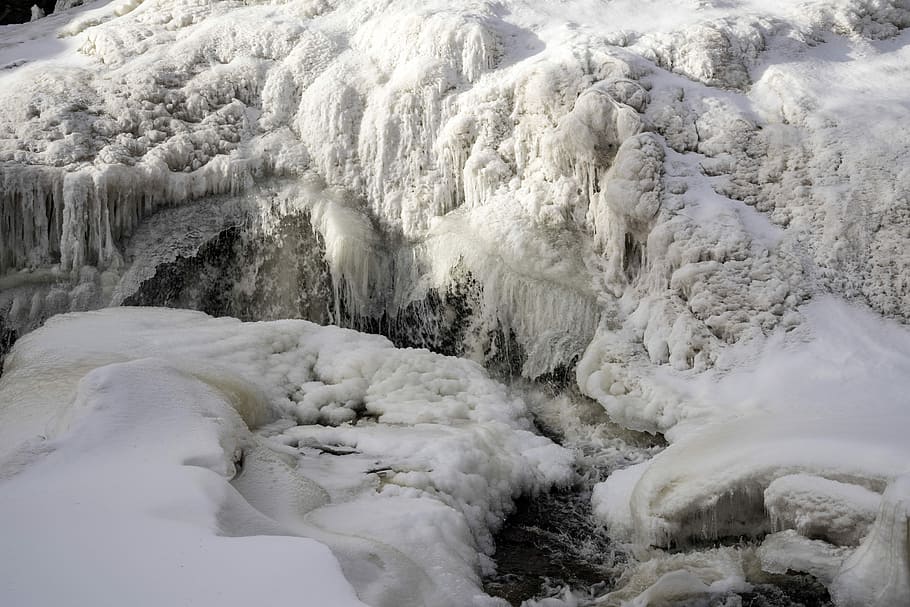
<point>553,542</point>
<point>549,543</point>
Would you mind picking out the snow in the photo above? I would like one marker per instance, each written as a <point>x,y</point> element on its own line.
<point>699,207</point>
<point>129,505</point>
<point>789,436</point>
<point>414,461</point>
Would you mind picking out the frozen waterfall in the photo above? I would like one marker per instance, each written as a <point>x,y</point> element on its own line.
<point>670,236</point>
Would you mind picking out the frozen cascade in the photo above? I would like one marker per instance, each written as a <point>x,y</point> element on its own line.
<point>661,208</point>
<point>429,135</point>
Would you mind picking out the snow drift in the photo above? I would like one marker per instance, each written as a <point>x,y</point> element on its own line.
<point>657,197</point>
<point>215,429</point>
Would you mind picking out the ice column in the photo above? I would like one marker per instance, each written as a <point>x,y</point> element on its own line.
<point>878,573</point>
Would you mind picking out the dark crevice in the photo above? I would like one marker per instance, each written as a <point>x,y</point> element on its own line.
<point>8,337</point>
<point>551,542</point>
<point>233,274</point>
<point>20,11</point>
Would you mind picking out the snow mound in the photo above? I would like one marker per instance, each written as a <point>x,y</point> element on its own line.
<point>376,452</point>
<point>754,463</point>
<point>141,477</point>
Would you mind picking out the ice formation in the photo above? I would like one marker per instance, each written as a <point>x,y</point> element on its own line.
<point>480,140</point>
<point>681,578</point>
<point>673,202</point>
<point>817,470</point>
<point>876,574</point>
<point>789,551</point>
<point>817,507</point>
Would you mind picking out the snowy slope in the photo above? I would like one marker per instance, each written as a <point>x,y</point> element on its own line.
<point>698,207</point>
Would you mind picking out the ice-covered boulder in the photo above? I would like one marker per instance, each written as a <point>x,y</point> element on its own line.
<point>819,508</point>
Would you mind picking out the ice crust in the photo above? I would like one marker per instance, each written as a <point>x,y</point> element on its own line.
<point>660,195</point>
<point>406,498</point>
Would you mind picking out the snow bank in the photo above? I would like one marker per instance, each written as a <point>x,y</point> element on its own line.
<point>125,505</point>
<point>803,433</point>
<point>376,452</point>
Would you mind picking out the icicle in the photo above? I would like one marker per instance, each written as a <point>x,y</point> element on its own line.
<point>31,204</point>
<point>586,139</point>
<point>549,310</point>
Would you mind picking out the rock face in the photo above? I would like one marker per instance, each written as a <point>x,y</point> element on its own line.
<point>643,194</point>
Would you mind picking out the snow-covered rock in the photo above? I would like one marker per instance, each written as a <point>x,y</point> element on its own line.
<point>403,462</point>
